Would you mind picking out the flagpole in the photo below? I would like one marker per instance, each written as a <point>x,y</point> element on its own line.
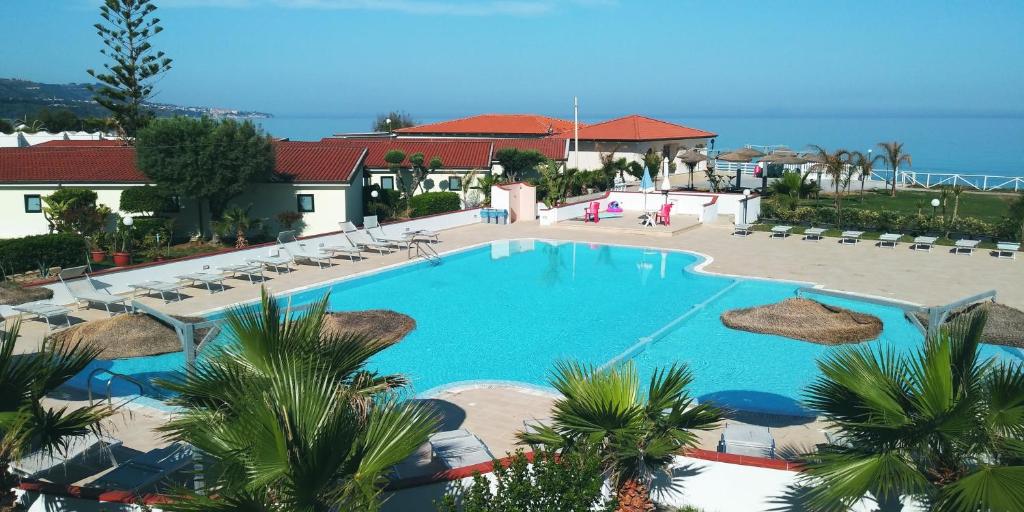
<point>576,130</point>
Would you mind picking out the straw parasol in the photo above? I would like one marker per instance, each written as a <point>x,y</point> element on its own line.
<point>784,157</point>
<point>740,156</point>
<point>751,152</point>
<point>691,158</point>
<point>806,320</point>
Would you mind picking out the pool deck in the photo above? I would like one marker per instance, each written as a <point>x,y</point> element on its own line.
<point>495,414</point>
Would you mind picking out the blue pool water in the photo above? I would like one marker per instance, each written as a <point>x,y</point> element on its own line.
<point>508,311</point>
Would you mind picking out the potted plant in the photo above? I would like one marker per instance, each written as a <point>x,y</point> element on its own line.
<point>122,243</point>
<point>96,242</point>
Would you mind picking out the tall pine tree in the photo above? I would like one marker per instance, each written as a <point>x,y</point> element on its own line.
<point>126,82</point>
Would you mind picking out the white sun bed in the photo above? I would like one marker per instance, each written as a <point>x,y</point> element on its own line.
<point>966,246</point>
<point>889,240</point>
<point>780,231</point>
<point>924,243</point>
<point>207,279</point>
<point>459,448</point>
<point>850,237</point>
<point>344,247</point>
<point>377,233</point>
<point>78,449</point>
<point>814,234</point>
<point>146,470</point>
<point>44,310</point>
<point>362,239</point>
<point>299,251</point>
<point>273,261</point>
<point>161,287</point>
<point>249,270</point>
<point>742,229</point>
<point>1007,250</point>
<point>749,440</point>
<point>85,290</point>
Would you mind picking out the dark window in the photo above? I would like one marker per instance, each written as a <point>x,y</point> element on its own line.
<point>173,205</point>
<point>305,204</point>
<point>387,182</point>
<point>454,183</point>
<point>33,203</point>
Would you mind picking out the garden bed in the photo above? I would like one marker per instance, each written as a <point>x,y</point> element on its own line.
<point>12,294</point>
<point>806,320</point>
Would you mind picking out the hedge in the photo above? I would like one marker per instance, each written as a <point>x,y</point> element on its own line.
<point>431,203</point>
<point>147,199</point>
<point>32,252</point>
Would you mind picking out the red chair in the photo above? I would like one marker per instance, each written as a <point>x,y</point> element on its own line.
<point>663,216</point>
<point>593,212</point>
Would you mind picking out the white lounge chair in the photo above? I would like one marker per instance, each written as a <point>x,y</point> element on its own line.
<point>161,287</point>
<point>459,448</point>
<point>362,239</point>
<point>78,449</point>
<point>44,310</point>
<point>780,231</point>
<point>965,245</point>
<point>924,243</point>
<point>742,229</point>
<point>371,224</point>
<point>205,278</point>
<point>814,234</point>
<point>1007,250</point>
<point>344,247</point>
<point>249,270</point>
<point>749,440</point>
<point>850,237</point>
<point>377,233</point>
<point>146,470</point>
<point>889,240</point>
<point>275,261</point>
<point>299,251</point>
<point>85,290</point>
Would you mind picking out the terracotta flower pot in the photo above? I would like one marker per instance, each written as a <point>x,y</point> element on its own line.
<point>122,259</point>
<point>98,256</point>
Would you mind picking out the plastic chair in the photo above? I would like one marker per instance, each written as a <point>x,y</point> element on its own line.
<point>663,216</point>
<point>593,212</point>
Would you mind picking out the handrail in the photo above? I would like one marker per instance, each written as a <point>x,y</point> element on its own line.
<point>113,376</point>
<point>426,251</point>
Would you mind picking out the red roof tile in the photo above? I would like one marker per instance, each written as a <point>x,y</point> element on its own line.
<point>552,147</point>
<point>454,153</point>
<point>637,128</point>
<point>301,161</point>
<point>102,143</point>
<point>494,124</point>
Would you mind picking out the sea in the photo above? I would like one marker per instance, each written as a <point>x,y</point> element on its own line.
<point>966,145</point>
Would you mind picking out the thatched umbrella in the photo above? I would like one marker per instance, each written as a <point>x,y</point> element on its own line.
<point>741,156</point>
<point>691,158</point>
<point>814,158</point>
<point>751,152</point>
<point>779,157</point>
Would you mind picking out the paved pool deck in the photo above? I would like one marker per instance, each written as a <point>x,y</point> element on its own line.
<point>495,414</point>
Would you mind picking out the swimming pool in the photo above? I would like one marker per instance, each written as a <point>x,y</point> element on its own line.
<point>508,310</point>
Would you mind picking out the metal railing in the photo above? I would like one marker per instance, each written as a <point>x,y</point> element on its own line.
<point>113,376</point>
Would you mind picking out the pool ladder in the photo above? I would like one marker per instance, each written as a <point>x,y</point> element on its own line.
<point>113,376</point>
<point>424,250</point>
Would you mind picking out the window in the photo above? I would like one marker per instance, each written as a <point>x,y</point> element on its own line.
<point>455,183</point>
<point>387,182</point>
<point>33,203</point>
<point>305,203</point>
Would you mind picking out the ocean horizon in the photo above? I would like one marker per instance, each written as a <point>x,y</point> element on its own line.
<point>945,144</point>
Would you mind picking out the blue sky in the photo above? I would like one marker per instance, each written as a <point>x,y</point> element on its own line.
<point>447,57</point>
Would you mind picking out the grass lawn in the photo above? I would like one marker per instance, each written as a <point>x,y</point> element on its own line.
<point>990,207</point>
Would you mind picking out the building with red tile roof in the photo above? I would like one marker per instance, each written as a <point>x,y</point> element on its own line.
<point>72,143</point>
<point>493,125</point>
<point>454,153</point>
<point>636,128</point>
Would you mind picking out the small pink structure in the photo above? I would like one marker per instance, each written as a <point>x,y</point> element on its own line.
<point>520,199</point>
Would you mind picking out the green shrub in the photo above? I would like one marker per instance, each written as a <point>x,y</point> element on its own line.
<point>31,252</point>
<point>432,203</point>
<point>888,221</point>
<point>385,206</point>
<point>146,199</point>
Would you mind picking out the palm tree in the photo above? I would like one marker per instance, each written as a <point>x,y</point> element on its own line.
<point>604,411</point>
<point>956,190</point>
<point>866,164</point>
<point>836,165</point>
<point>942,425</point>
<point>25,425</point>
<point>894,156</point>
<point>290,418</point>
<point>237,221</point>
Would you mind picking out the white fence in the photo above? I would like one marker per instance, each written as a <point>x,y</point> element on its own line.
<point>982,182</point>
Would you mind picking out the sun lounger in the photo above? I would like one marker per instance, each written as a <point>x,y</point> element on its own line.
<point>1007,250</point>
<point>81,449</point>
<point>161,287</point>
<point>85,290</point>
<point>780,231</point>
<point>249,270</point>
<point>274,261</point>
<point>964,245</point>
<point>206,278</point>
<point>889,240</point>
<point>44,310</point>
<point>850,237</point>
<point>459,448</point>
<point>814,234</point>
<point>749,440</point>
<point>362,239</point>
<point>923,243</point>
<point>344,247</point>
<point>146,470</point>
<point>376,232</point>
<point>742,229</point>
<point>299,251</point>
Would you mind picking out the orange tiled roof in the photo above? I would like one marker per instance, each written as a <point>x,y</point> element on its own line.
<point>454,153</point>
<point>639,128</point>
<point>494,124</point>
<point>101,143</point>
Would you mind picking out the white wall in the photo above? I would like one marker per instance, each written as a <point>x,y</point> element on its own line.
<point>440,178</point>
<point>15,222</point>
<point>686,203</point>
<point>590,151</point>
<point>330,202</point>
